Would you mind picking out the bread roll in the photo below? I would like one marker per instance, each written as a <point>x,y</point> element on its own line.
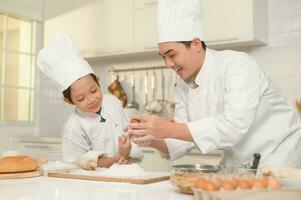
<point>11,164</point>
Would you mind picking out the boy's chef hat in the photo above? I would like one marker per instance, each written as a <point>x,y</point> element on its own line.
<point>61,61</point>
<point>179,20</point>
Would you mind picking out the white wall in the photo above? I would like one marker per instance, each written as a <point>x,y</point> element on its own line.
<point>281,57</point>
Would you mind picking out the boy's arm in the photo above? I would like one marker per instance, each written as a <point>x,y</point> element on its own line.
<point>105,161</point>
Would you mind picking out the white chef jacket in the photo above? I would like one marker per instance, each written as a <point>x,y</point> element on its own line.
<point>85,133</point>
<point>238,109</point>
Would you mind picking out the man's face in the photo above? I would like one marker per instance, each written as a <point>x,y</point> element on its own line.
<point>86,94</point>
<point>185,61</point>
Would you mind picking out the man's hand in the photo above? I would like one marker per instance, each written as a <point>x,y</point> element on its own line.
<point>150,125</point>
<point>124,146</point>
<point>158,127</point>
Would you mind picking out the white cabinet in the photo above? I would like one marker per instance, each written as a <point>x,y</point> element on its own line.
<point>80,23</point>
<point>145,29</point>
<point>100,28</point>
<point>114,25</point>
<point>105,28</point>
<point>234,23</point>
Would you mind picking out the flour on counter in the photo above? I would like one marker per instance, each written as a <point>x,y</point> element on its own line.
<point>131,170</point>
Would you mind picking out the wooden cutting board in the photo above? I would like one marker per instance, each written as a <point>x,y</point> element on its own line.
<point>21,175</point>
<point>151,178</point>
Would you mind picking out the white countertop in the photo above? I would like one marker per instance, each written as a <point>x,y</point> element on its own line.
<point>46,188</point>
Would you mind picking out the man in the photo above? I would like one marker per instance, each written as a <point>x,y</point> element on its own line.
<point>223,99</point>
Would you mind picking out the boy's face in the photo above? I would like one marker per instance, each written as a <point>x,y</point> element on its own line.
<point>86,94</point>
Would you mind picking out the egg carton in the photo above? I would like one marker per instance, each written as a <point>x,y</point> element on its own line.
<point>258,194</point>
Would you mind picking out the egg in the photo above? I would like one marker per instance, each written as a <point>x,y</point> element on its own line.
<point>228,185</point>
<point>243,184</point>
<point>200,183</point>
<point>260,183</point>
<point>273,183</point>
<point>210,186</point>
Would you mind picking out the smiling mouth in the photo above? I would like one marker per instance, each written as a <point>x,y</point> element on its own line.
<point>177,70</point>
<point>94,106</point>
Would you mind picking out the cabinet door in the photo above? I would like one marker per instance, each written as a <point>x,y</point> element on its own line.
<point>114,26</point>
<point>226,21</point>
<point>79,23</point>
<point>145,25</point>
<point>99,27</point>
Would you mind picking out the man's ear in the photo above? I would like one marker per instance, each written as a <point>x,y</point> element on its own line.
<point>68,101</point>
<point>196,44</point>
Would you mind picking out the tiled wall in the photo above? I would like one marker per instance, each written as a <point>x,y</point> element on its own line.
<point>282,56</point>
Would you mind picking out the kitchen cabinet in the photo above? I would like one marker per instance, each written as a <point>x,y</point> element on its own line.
<point>99,28</point>
<point>114,26</point>
<point>235,23</point>
<point>106,28</point>
<point>145,25</point>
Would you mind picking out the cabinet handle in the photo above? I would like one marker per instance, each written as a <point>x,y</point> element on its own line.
<point>222,40</point>
<point>107,52</point>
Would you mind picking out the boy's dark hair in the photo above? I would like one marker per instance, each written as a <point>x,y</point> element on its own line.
<point>67,92</point>
<point>188,43</point>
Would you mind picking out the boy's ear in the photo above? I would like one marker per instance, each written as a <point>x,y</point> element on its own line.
<point>98,79</point>
<point>68,101</point>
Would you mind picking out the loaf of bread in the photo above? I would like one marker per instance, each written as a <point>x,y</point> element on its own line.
<point>12,164</point>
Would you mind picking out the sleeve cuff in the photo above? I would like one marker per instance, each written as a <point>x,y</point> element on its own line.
<point>177,148</point>
<point>204,134</point>
<point>136,152</point>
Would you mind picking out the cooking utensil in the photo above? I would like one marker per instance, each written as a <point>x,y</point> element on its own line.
<point>256,161</point>
<point>167,106</point>
<point>116,89</point>
<point>195,168</point>
<point>133,104</point>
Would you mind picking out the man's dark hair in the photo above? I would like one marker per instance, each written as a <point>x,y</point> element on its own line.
<point>67,92</point>
<point>188,43</point>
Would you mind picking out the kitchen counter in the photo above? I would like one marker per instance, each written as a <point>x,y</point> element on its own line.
<point>46,188</point>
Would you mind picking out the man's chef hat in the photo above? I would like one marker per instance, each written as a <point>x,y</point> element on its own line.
<point>61,61</point>
<point>179,20</point>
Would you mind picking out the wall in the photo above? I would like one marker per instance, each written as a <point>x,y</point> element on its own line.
<point>281,58</point>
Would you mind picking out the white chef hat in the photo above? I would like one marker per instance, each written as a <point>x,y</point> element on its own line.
<point>179,20</point>
<point>60,60</point>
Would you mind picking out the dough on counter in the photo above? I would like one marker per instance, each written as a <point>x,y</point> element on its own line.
<point>12,164</point>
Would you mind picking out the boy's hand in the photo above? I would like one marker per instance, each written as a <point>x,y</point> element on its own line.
<point>122,161</point>
<point>124,146</point>
<point>86,163</point>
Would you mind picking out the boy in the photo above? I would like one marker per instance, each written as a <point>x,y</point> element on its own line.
<point>93,133</point>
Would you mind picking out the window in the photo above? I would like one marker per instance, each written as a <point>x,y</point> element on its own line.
<point>17,69</point>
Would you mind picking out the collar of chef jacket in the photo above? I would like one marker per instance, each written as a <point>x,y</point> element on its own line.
<point>201,80</point>
<point>92,115</point>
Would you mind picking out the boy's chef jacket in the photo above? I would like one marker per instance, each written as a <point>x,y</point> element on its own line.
<point>94,134</point>
<point>237,108</point>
